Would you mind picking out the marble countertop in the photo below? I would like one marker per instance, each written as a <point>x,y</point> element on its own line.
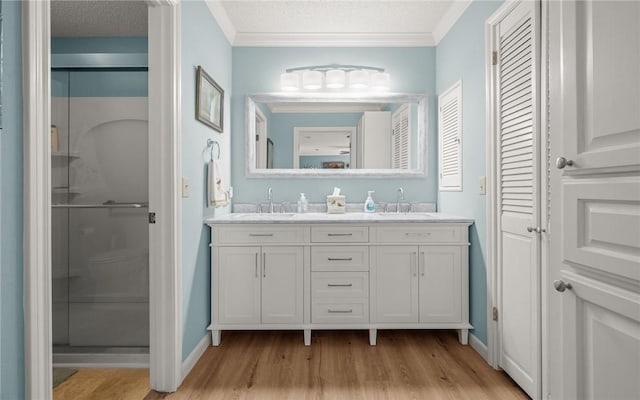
<point>349,217</point>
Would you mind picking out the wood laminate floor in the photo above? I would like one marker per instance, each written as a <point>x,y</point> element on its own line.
<point>338,365</point>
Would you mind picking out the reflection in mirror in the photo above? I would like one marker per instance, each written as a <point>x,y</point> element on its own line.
<point>299,134</point>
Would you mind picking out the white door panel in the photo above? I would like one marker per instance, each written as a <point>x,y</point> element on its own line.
<point>239,297</point>
<point>520,318</point>
<point>282,298</point>
<point>601,84</point>
<point>602,225</point>
<point>594,99</point>
<point>516,38</point>
<point>395,276</point>
<point>440,284</point>
<point>601,340</point>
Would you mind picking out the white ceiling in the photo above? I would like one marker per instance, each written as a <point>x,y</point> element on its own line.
<point>336,22</point>
<point>279,22</point>
<point>82,18</point>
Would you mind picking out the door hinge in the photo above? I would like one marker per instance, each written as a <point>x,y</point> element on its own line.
<point>494,58</point>
<point>152,218</point>
<point>257,138</point>
<point>495,313</point>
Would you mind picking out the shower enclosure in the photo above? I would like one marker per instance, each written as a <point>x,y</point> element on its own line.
<point>100,258</point>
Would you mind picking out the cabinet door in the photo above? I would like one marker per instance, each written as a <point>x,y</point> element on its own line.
<point>282,285</point>
<point>601,340</point>
<point>440,284</point>
<point>394,284</point>
<point>238,285</point>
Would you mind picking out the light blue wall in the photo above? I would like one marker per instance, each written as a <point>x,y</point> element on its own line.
<point>461,55</point>
<point>11,314</point>
<point>258,69</point>
<point>280,130</point>
<point>203,43</point>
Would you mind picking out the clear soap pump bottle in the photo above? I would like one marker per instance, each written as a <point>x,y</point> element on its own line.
<point>303,204</point>
<point>369,205</point>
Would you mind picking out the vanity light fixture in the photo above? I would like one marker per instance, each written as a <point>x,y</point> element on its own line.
<point>335,76</point>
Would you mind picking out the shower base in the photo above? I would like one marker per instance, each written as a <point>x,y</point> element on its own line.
<point>100,357</point>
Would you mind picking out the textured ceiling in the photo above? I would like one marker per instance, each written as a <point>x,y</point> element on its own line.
<point>82,18</point>
<point>335,16</point>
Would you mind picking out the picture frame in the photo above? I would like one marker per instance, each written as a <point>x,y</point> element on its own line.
<point>333,164</point>
<point>209,101</point>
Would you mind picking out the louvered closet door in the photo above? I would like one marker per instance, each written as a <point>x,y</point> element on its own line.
<point>518,197</point>
<point>400,139</point>
<point>450,138</point>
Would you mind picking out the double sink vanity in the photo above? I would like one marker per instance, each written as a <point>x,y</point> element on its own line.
<point>356,270</point>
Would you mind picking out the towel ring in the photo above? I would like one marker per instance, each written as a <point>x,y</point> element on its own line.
<point>211,144</point>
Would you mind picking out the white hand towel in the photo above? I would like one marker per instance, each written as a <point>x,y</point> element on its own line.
<point>217,195</point>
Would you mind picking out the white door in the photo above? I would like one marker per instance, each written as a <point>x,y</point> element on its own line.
<point>282,277</point>
<point>595,200</point>
<point>440,284</point>
<point>394,280</point>
<point>239,296</point>
<point>516,42</point>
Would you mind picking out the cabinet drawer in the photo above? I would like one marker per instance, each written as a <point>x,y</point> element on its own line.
<point>340,258</point>
<point>333,285</point>
<point>340,312</point>
<point>420,234</point>
<point>339,234</point>
<point>255,234</point>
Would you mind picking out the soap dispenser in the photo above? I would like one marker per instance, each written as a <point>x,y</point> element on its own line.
<point>303,204</point>
<point>369,205</point>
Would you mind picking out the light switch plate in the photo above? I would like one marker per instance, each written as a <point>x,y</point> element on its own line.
<point>483,185</point>
<point>186,187</point>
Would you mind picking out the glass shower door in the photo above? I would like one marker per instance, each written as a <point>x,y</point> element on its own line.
<point>100,229</point>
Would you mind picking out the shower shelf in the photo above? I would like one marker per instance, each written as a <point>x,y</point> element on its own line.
<point>66,190</point>
<point>64,154</point>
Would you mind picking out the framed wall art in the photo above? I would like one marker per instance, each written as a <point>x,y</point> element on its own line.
<point>209,101</point>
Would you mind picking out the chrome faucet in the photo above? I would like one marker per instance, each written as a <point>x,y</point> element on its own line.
<point>270,198</point>
<point>400,197</point>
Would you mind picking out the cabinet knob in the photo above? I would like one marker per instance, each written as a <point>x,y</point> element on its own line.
<point>560,286</point>
<point>562,162</point>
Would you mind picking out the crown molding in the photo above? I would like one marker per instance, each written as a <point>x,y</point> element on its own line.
<point>449,19</point>
<point>333,39</point>
<point>222,18</point>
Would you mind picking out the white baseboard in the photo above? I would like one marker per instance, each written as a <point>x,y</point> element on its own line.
<point>194,356</point>
<point>479,347</point>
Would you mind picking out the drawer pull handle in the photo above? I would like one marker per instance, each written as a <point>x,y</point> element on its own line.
<point>340,284</point>
<point>339,234</point>
<point>340,311</point>
<point>260,234</point>
<point>340,259</point>
<point>418,233</point>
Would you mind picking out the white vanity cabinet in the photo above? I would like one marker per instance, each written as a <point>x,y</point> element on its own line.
<point>254,287</point>
<point>316,275</point>
<point>417,284</point>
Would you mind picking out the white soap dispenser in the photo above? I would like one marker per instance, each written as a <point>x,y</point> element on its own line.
<point>303,204</point>
<point>369,205</point>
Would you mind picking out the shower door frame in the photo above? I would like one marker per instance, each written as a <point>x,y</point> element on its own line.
<point>165,244</point>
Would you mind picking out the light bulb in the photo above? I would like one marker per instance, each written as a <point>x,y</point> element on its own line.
<point>335,78</point>
<point>359,79</point>
<point>312,80</point>
<point>289,81</point>
<point>380,81</point>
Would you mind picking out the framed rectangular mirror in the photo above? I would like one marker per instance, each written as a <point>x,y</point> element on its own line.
<point>332,134</point>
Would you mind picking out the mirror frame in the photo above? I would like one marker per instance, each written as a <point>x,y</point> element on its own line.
<point>250,131</point>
